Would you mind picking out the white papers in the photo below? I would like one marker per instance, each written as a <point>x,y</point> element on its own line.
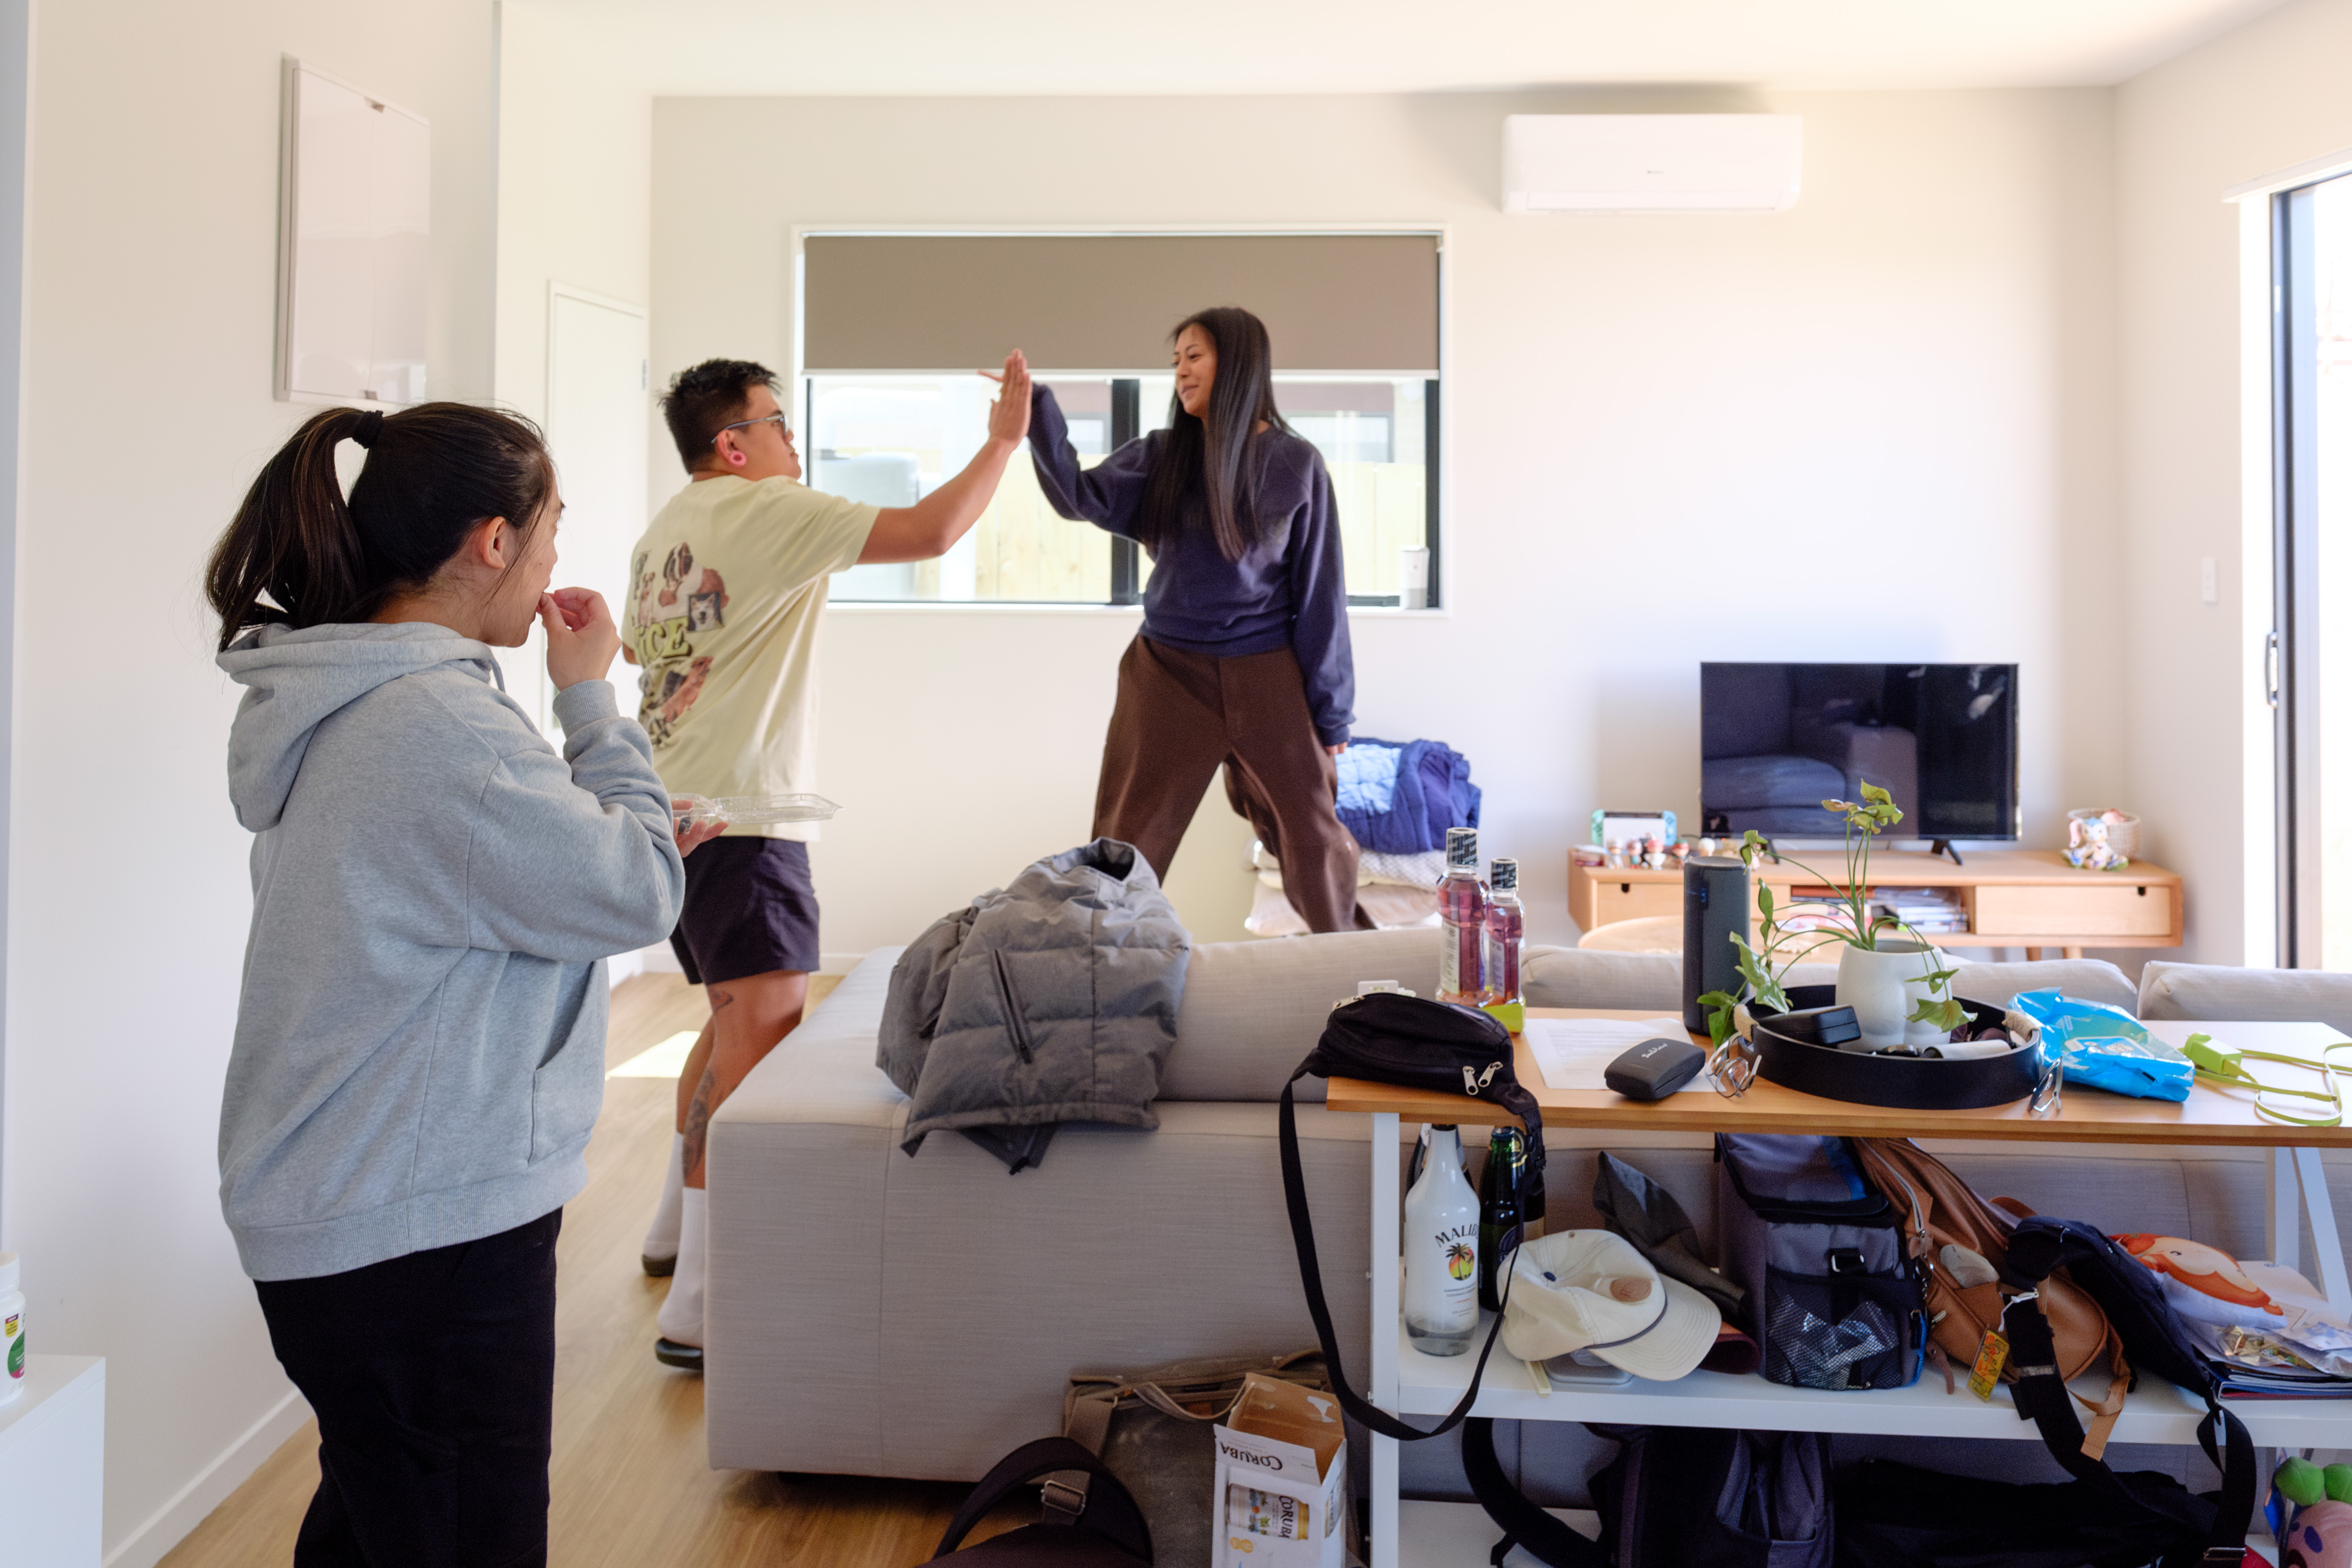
<point>1574,1052</point>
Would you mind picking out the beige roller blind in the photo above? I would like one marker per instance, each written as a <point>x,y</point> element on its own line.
<point>1331,303</point>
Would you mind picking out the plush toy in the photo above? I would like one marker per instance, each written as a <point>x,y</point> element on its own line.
<point>2087,847</point>
<point>2300,1481</point>
<point>2202,1282</point>
<point>2319,1536</point>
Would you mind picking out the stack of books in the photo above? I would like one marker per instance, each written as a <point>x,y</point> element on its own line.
<point>2290,1346</point>
<point>1929,910</point>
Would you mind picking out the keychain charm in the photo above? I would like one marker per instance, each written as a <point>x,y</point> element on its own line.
<point>1991,1356</point>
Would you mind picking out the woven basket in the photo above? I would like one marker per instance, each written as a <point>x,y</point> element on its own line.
<point>2123,837</point>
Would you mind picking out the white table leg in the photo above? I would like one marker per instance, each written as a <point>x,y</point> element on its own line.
<point>2282,1215</point>
<point>2327,1251</point>
<point>1385,1253</point>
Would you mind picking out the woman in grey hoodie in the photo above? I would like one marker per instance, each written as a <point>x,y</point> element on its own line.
<point>420,1041</point>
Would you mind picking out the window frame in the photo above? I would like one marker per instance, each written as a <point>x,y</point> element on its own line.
<point>1125,569</point>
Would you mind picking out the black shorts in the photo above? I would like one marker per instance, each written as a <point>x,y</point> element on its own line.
<point>750,908</point>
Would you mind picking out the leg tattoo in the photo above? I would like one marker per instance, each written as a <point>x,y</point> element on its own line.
<point>697,1119</point>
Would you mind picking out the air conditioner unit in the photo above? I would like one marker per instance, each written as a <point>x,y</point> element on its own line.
<point>1651,162</point>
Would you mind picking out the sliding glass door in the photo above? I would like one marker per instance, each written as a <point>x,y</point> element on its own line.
<point>2311,658</point>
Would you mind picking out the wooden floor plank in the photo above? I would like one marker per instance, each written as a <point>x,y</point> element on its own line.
<point>631,1479</point>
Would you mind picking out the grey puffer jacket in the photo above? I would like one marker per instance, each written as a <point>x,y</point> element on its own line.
<point>1051,999</point>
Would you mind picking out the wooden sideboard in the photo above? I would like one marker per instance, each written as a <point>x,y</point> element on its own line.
<point>2014,898</point>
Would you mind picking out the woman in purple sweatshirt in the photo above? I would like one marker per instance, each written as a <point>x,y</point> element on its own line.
<point>1243,659</point>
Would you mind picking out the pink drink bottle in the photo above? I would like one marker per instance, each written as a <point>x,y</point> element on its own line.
<point>1461,906</point>
<point>1505,933</point>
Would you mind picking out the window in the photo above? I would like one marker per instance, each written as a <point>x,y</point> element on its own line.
<point>892,440</point>
<point>885,424</point>
<point>2311,392</point>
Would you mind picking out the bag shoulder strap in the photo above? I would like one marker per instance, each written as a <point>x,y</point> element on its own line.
<point>1310,1280</point>
<point>1523,1522</point>
<point>2041,1396</point>
<point>1086,1422</point>
<point>1112,1513</point>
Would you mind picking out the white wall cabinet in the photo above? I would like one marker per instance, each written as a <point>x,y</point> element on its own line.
<point>355,227</point>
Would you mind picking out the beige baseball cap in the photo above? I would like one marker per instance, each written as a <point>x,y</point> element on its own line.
<point>1591,1290</point>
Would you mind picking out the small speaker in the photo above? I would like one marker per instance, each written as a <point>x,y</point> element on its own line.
<point>1715,906</point>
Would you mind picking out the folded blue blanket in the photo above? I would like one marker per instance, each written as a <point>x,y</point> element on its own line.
<point>1398,798</point>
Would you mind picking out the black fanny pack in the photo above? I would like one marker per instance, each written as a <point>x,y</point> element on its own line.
<point>1439,1049</point>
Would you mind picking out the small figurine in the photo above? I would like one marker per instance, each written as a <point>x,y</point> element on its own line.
<point>2087,847</point>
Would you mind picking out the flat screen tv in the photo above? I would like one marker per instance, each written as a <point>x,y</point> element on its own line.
<point>1777,740</point>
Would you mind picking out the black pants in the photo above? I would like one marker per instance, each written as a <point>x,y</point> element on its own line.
<point>433,1379</point>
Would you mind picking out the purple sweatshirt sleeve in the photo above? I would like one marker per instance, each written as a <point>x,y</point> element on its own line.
<point>1109,495</point>
<point>1318,586</point>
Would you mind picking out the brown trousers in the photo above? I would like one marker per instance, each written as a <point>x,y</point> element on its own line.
<point>1179,716</point>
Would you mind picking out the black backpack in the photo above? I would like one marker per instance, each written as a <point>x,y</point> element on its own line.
<point>2155,1340</point>
<point>1388,1037</point>
<point>1692,1497</point>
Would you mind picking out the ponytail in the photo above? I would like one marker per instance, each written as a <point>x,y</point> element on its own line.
<point>297,555</point>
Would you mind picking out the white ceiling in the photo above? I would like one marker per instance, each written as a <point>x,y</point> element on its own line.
<point>1063,47</point>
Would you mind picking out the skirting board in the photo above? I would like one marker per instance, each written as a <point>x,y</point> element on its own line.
<point>170,1525</point>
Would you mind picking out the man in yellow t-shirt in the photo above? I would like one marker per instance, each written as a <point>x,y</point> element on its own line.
<point>726,591</point>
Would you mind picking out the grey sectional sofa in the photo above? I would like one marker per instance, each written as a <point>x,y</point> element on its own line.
<point>872,1313</point>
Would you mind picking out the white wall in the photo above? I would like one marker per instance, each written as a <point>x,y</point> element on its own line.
<point>2263,97</point>
<point>1877,426</point>
<point>575,144</point>
<point>151,271</point>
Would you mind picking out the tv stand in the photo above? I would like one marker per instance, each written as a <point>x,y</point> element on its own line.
<point>2013,898</point>
<point>1944,846</point>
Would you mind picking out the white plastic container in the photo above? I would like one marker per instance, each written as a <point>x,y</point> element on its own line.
<point>1440,1251</point>
<point>12,1329</point>
<point>1412,575</point>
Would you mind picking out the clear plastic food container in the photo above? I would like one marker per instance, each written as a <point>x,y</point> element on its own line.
<point>749,810</point>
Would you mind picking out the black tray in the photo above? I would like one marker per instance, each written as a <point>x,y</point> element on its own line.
<point>1908,1083</point>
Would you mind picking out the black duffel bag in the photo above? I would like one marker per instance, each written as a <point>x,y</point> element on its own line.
<point>1892,1515</point>
<point>1436,1048</point>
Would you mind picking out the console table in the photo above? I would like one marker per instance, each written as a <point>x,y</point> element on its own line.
<point>1405,1382</point>
<point>2014,898</point>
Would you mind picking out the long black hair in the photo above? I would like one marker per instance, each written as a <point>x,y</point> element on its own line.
<point>1206,469</point>
<point>297,555</point>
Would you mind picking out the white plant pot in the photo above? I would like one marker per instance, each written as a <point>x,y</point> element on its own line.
<point>1882,987</point>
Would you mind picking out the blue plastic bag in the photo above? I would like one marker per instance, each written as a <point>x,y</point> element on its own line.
<point>2106,1048</point>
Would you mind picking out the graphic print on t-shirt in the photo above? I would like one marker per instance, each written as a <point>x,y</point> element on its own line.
<point>674,602</point>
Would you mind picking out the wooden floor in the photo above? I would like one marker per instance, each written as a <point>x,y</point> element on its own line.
<point>631,1481</point>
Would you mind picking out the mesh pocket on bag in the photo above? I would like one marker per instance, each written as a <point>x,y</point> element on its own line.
<point>1836,1332</point>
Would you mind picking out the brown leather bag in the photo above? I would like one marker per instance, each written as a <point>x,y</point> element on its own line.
<point>1941,1211</point>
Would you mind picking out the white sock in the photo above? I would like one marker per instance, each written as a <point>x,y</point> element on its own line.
<point>681,1312</point>
<point>661,1236</point>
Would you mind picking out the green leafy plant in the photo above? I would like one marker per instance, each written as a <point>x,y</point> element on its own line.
<point>1761,968</point>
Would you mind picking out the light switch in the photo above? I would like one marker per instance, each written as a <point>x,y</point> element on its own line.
<point>2209,581</point>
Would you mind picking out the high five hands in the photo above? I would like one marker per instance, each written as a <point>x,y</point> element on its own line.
<point>1008,416</point>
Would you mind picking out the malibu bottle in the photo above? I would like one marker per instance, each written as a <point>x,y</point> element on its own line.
<point>1440,1251</point>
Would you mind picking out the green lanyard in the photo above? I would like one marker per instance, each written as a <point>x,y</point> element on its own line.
<point>2227,1069</point>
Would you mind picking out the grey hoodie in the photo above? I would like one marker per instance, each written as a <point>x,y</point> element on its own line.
<point>420,1043</point>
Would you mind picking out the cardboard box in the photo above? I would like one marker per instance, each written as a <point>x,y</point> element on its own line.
<point>1282,1479</point>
